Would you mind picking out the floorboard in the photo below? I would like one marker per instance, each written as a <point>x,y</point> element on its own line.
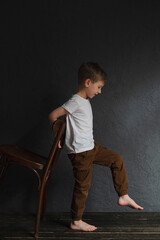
<point>115,226</point>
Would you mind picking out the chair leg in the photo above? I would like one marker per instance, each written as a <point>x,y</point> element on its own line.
<point>39,208</point>
<point>45,199</point>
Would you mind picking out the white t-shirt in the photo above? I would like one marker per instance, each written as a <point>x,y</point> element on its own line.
<point>79,125</point>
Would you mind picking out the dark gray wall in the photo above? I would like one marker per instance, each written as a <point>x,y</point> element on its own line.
<point>43,45</point>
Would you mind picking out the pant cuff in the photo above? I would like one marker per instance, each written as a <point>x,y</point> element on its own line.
<point>122,193</point>
<point>76,218</point>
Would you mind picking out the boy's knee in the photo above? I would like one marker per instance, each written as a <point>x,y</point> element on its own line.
<point>85,187</point>
<point>83,176</point>
<point>118,159</point>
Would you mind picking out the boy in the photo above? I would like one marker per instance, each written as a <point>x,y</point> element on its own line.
<point>82,150</point>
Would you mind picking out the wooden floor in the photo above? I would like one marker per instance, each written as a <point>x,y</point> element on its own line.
<point>116,226</point>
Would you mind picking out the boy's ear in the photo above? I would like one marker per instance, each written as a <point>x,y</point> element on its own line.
<point>87,82</point>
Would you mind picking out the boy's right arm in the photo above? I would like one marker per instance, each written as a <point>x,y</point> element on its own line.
<point>55,114</point>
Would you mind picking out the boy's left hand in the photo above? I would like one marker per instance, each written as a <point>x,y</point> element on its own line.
<point>59,144</point>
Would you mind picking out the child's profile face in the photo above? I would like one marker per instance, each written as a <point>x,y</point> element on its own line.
<point>93,88</point>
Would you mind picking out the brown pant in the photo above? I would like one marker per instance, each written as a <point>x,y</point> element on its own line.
<point>82,169</point>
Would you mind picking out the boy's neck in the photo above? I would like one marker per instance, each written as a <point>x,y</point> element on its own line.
<point>82,93</point>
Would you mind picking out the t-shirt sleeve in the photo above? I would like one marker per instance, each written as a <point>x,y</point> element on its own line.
<point>71,105</point>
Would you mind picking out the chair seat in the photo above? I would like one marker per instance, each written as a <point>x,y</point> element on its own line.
<point>22,156</point>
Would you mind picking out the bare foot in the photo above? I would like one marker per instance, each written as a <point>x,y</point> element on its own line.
<point>125,200</point>
<point>80,225</point>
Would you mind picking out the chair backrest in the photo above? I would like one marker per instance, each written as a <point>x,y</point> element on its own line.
<point>60,127</point>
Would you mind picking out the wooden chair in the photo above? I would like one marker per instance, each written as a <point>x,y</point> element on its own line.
<point>11,154</point>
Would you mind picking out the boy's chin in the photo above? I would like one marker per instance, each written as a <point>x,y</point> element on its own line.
<point>91,96</point>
